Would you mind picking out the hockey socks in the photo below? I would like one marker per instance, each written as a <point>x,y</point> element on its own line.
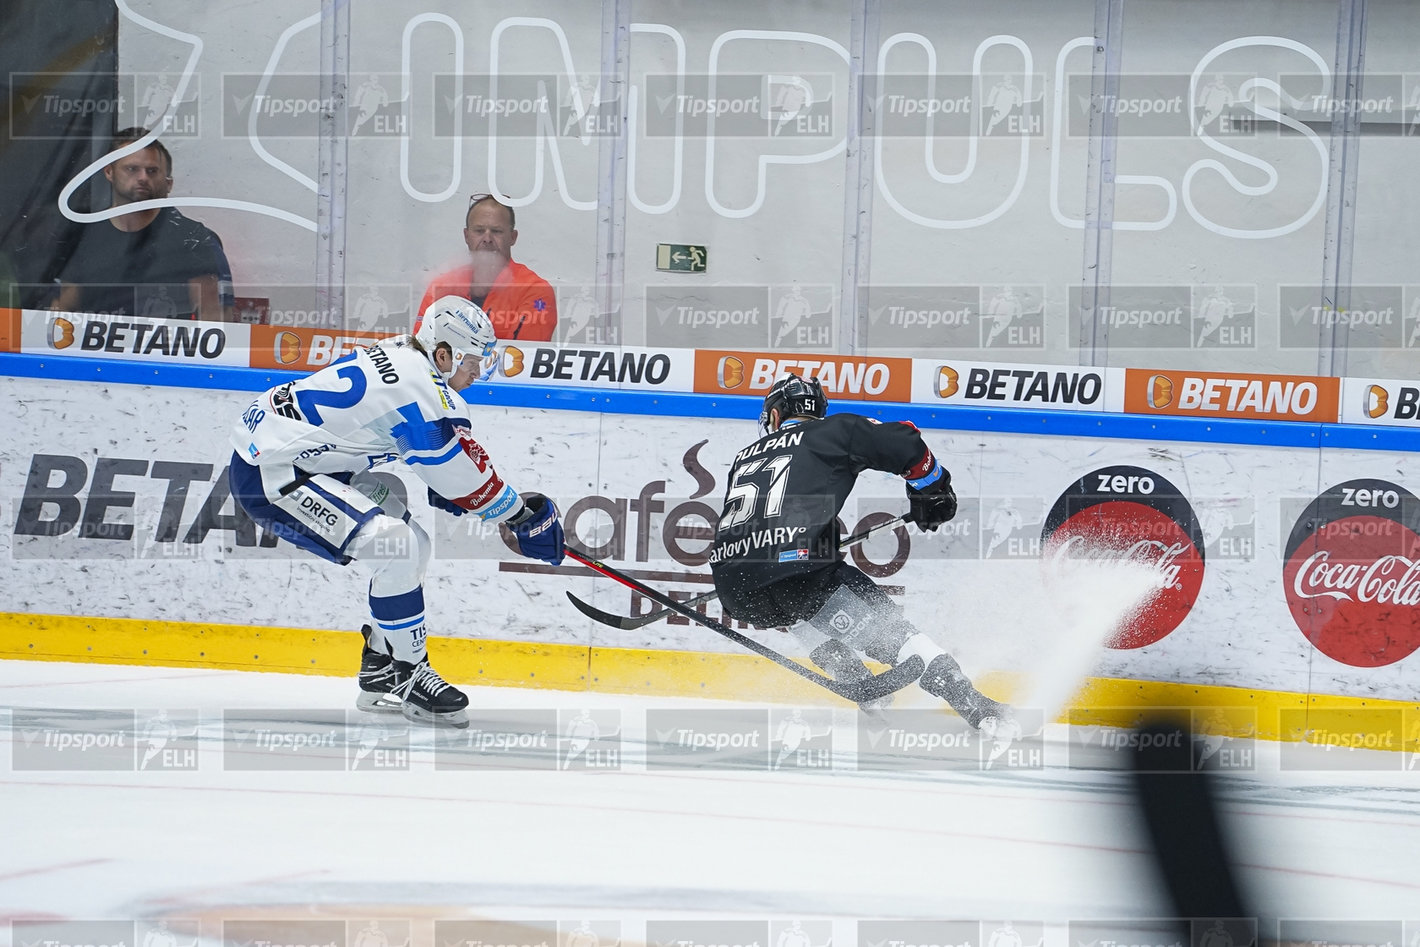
<point>399,625</point>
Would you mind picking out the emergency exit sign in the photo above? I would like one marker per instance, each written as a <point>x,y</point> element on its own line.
<point>680,258</point>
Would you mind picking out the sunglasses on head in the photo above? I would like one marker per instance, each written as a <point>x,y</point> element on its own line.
<point>512,214</point>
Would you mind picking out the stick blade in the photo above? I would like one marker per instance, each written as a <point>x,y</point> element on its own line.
<point>890,681</point>
<point>596,614</point>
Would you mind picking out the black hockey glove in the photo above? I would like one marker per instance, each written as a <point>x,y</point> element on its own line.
<point>933,504</point>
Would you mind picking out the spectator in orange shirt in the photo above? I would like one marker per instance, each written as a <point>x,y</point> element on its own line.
<point>519,302</point>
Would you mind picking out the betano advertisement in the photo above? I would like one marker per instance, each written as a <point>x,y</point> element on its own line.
<point>992,385</point>
<point>843,376</point>
<point>712,371</point>
<point>1216,395</point>
<point>1295,570</point>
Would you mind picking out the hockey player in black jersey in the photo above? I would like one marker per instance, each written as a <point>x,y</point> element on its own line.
<point>776,559</point>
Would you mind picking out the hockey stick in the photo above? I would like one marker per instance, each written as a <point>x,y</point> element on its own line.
<point>859,691</point>
<point>628,622</point>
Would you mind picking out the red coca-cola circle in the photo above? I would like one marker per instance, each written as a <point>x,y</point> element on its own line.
<point>1353,588</point>
<point>1125,529</point>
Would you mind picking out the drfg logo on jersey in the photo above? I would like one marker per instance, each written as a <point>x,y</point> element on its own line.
<point>1128,515</point>
<point>1351,573</point>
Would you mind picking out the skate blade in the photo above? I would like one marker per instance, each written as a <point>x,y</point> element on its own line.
<point>456,718</point>
<point>378,703</point>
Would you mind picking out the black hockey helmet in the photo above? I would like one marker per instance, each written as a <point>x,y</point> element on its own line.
<point>794,396</point>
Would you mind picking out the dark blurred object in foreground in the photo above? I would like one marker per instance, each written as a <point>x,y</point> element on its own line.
<point>1180,809</point>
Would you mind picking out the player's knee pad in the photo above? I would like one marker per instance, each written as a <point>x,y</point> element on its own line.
<point>396,552</point>
<point>376,487</point>
<point>875,627</point>
<point>839,660</point>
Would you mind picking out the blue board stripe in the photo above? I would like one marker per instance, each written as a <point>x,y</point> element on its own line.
<point>677,404</point>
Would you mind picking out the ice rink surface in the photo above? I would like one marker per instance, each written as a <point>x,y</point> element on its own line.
<point>197,807</point>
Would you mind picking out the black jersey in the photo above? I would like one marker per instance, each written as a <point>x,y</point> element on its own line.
<point>780,519</point>
<point>146,272</point>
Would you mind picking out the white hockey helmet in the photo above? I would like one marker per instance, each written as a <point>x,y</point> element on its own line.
<point>460,324</point>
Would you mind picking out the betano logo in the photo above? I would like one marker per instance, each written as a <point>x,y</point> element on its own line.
<point>512,361</point>
<point>61,333</point>
<point>288,348</point>
<point>1160,391</point>
<point>730,373</point>
<point>1377,401</point>
<point>948,381</point>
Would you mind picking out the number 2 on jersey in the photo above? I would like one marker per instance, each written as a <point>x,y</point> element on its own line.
<point>307,399</point>
<point>742,499</point>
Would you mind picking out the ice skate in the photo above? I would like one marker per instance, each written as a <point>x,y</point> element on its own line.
<point>429,698</point>
<point>1000,731</point>
<point>993,719</point>
<point>379,680</point>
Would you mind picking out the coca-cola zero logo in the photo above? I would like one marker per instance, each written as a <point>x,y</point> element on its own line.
<point>1351,573</point>
<point>1129,514</point>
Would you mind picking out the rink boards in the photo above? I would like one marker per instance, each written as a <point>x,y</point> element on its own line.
<point>1286,576</point>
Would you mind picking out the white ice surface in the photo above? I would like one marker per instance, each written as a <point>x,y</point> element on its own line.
<point>1050,844</point>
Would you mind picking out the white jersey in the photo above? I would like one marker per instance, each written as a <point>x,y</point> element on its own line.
<point>375,406</point>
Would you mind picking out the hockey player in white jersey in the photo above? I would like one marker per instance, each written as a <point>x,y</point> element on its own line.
<point>300,469</point>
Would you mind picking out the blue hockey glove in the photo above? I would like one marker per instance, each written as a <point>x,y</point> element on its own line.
<point>538,530</point>
<point>448,506</point>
